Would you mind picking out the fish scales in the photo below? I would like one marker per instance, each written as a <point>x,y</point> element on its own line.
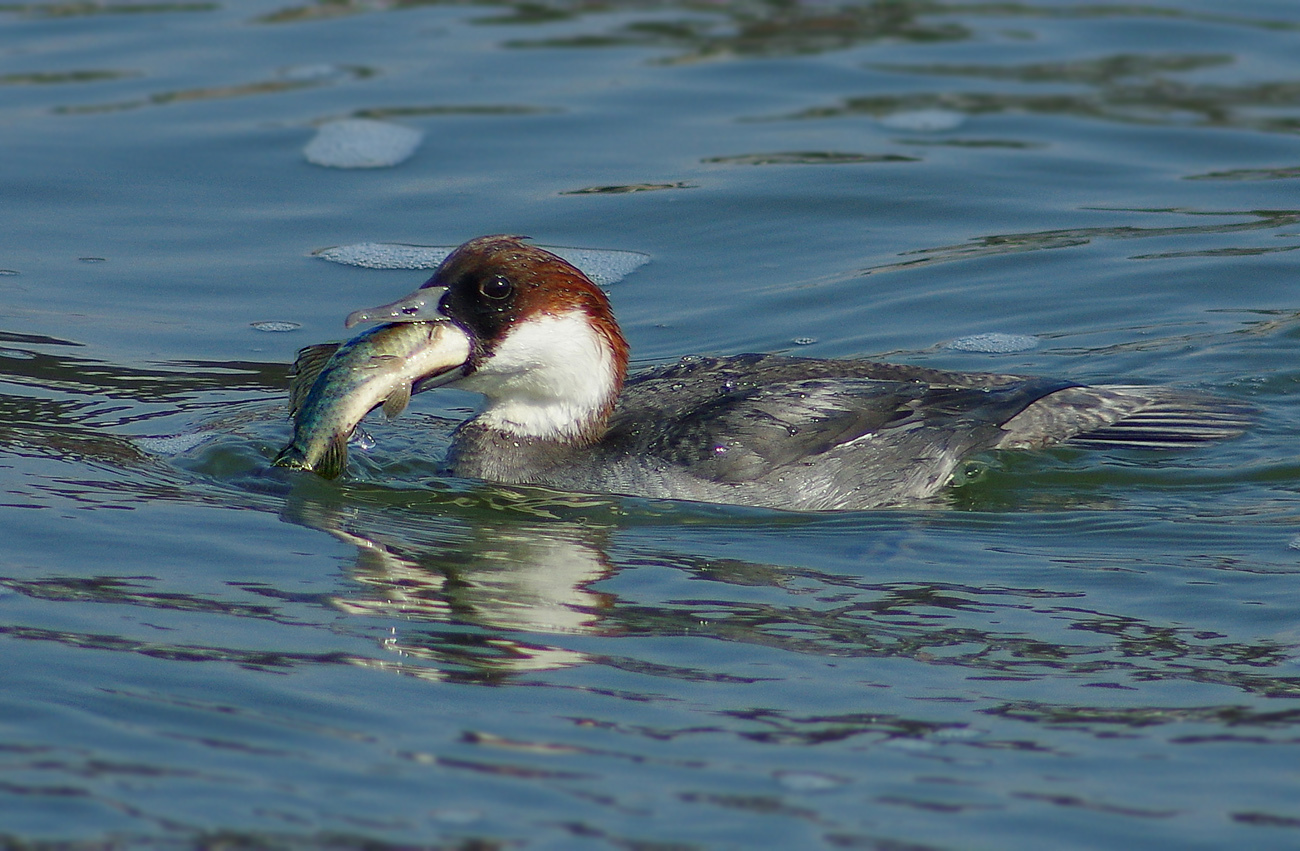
<point>334,386</point>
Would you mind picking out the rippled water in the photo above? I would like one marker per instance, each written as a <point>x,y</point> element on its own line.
<point>1071,650</point>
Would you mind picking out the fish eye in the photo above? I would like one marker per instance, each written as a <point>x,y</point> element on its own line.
<point>495,288</point>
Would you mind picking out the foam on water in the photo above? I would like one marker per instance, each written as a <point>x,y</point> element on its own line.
<point>362,143</point>
<point>993,343</point>
<point>386,255</point>
<point>275,326</point>
<point>172,444</point>
<point>604,266</point>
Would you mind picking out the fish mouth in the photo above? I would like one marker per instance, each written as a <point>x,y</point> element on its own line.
<point>419,306</point>
<point>442,361</point>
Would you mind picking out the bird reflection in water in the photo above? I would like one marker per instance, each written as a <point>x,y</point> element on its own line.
<point>469,591</point>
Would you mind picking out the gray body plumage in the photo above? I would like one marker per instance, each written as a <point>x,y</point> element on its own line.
<point>806,434</point>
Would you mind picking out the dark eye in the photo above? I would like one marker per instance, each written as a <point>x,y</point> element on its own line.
<point>495,288</point>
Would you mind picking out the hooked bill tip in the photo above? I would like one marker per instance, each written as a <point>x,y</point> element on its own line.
<point>356,317</point>
<point>419,306</point>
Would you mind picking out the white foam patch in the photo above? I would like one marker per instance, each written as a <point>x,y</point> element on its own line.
<point>386,255</point>
<point>924,120</point>
<point>362,143</point>
<point>171,444</point>
<point>275,326</point>
<point>994,343</point>
<point>604,266</point>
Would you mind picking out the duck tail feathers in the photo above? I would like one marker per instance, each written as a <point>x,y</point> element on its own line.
<point>1163,418</point>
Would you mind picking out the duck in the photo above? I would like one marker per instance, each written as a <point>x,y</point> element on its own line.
<point>538,340</point>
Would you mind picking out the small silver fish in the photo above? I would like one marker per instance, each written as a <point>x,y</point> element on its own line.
<point>335,385</point>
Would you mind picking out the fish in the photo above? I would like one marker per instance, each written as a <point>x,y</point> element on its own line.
<point>333,386</point>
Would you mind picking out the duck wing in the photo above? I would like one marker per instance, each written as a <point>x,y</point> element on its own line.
<point>739,432</point>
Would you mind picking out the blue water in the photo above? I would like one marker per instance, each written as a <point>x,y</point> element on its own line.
<point>1070,650</point>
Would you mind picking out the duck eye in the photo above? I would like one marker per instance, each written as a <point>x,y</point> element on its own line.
<point>495,288</point>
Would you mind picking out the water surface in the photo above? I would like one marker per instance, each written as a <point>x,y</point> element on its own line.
<point>1070,649</point>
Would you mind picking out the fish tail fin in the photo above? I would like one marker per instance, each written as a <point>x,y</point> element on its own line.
<point>1168,419</point>
<point>329,465</point>
<point>292,457</point>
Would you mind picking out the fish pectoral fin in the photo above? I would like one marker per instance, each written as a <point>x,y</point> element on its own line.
<point>306,369</point>
<point>334,459</point>
<point>397,400</point>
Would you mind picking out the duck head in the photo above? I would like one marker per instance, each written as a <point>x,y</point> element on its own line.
<point>544,347</point>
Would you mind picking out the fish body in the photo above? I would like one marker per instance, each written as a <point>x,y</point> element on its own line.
<point>335,385</point>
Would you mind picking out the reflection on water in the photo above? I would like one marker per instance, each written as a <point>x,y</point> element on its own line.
<point>809,158</point>
<point>78,8</point>
<point>46,78</point>
<point>1287,173</point>
<point>771,28</point>
<point>774,28</point>
<point>986,246</point>
<point>623,189</point>
<point>288,80</point>
<point>502,576</point>
<point>1159,101</point>
<point>766,28</point>
<point>1105,70</point>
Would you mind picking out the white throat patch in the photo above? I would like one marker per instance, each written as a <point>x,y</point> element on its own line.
<point>549,377</point>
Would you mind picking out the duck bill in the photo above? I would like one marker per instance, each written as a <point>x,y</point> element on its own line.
<point>419,306</point>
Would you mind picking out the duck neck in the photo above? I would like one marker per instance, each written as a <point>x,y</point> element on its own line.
<point>552,378</point>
